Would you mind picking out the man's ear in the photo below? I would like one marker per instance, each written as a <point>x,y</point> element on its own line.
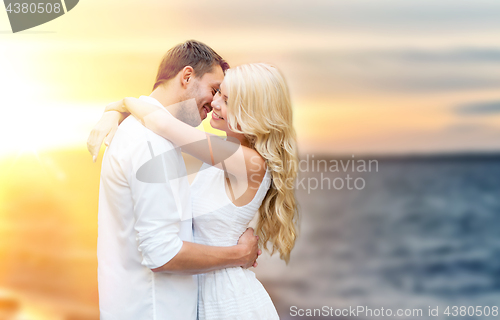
<point>187,73</point>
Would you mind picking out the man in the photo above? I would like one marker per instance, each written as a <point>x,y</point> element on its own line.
<point>145,251</point>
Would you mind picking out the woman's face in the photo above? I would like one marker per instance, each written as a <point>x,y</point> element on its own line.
<point>219,112</point>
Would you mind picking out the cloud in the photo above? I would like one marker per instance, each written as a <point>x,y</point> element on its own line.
<point>392,16</point>
<point>397,70</point>
<point>460,55</point>
<point>467,128</point>
<point>434,83</point>
<point>478,108</point>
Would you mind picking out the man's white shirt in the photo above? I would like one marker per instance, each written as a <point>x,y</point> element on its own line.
<point>141,227</point>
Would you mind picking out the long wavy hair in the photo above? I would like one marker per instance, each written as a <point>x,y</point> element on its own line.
<point>259,107</point>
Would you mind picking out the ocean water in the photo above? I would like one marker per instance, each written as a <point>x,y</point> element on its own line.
<point>423,233</point>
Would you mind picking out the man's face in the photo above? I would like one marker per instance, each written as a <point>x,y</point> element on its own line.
<point>203,90</point>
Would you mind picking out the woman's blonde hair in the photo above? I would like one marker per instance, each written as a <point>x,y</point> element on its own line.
<point>259,107</point>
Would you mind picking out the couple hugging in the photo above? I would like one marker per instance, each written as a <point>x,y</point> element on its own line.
<point>170,250</point>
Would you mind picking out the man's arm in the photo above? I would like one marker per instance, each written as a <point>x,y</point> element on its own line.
<point>158,221</point>
<point>194,258</point>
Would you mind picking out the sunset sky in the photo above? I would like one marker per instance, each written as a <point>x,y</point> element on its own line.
<point>384,77</point>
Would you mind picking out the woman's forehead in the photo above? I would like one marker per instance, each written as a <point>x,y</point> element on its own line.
<point>223,86</point>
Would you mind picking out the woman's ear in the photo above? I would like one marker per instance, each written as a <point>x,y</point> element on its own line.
<point>187,73</point>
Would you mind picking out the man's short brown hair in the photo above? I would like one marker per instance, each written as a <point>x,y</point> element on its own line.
<point>191,53</point>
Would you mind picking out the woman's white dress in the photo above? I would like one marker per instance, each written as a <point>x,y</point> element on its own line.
<point>232,293</point>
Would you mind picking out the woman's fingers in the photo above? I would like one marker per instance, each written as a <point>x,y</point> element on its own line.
<point>94,142</point>
<point>103,131</point>
<point>110,136</point>
<point>90,145</point>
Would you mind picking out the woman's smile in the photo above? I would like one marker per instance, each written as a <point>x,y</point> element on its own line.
<point>215,116</point>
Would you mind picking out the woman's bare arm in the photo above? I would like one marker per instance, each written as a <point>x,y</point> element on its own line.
<point>230,156</point>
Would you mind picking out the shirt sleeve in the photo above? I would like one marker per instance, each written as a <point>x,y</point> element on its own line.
<point>157,218</point>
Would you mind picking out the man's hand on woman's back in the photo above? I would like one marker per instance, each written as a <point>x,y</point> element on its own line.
<point>249,244</point>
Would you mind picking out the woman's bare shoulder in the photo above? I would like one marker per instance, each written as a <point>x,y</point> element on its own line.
<point>256,164</point>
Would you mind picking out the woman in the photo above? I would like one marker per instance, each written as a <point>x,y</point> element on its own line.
<point>253,108</point>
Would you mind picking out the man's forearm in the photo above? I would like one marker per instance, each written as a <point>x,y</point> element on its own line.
<point>194,258</point>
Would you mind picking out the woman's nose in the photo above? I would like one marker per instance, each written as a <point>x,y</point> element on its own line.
<point>215,105</point>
